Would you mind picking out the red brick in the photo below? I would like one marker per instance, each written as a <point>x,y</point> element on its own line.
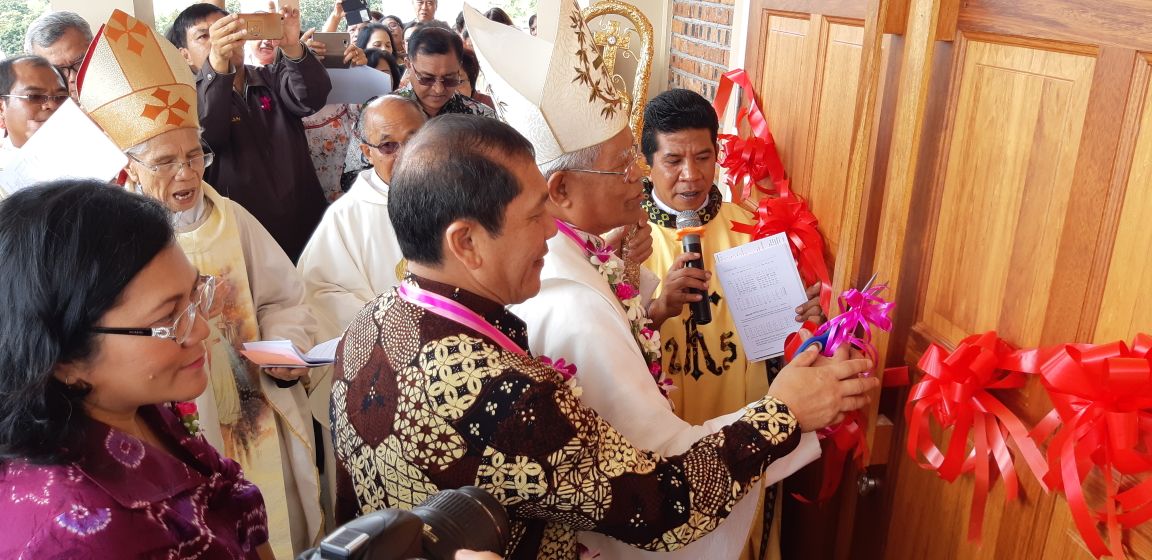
<point>706,52</point>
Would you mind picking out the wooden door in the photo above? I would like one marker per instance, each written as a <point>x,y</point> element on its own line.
<point>992,160</point>
<point>823,70</point>
<point>1015,200</point>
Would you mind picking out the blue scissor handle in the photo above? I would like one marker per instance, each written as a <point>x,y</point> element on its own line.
<point>820,340</point>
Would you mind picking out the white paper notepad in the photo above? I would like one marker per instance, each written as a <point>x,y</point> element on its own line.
<point>763,289</point>
<point>68,145</point>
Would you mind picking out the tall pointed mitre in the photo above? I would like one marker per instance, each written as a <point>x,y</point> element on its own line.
<point>135,84</point>
<point>552,87</point>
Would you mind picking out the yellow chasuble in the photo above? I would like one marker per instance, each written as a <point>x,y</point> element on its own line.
<point>707,362</point>
<point>236,416</point>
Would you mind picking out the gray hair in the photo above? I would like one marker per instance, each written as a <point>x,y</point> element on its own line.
<point>361,124</point>
<point>580,159</point>
<point>45,30</point>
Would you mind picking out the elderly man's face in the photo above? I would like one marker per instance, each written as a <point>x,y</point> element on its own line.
<point>683,168</point>
<point>66,54</point>
<point>22,116</point>
<point>607,194</point>
<point>170,168</point>
<point>388,124</point>
<point>434,79</point>
<point>425,9</point>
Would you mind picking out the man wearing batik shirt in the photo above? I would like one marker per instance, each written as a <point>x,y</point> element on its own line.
<point>585,150</point>
<point>435,70</point>
<point>433,389</point>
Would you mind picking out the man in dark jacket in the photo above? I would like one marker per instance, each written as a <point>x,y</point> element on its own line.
<point>251,119</point>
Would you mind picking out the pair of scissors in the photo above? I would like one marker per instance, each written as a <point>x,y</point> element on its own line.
<point>821,340</point>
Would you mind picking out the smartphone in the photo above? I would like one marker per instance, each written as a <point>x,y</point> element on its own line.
<point>335,43</point>
<point>355,11</point>
<point>263,25</point>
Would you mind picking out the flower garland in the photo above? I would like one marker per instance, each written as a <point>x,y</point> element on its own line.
<point>611,268</point>
<point>567,372</point>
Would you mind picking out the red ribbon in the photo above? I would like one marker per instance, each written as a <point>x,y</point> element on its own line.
<point>954,392</point>
<point>790,215</point>
<point>753,159</point>
<point>1102,417</point>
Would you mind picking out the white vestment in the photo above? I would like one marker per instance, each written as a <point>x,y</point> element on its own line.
<point>577,317</point>
<point>352,256</point>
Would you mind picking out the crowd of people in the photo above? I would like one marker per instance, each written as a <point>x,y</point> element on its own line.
<point>508,287</point>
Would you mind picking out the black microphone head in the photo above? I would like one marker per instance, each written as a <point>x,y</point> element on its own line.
<point>687,219</point>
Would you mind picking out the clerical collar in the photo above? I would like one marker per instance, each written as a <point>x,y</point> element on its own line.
<point>663,215</point>
<point>491,311</point>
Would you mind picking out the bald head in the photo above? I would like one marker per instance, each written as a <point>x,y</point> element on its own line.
<point>384,126</point>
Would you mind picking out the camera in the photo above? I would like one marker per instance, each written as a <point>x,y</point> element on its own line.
<point>449,520</point>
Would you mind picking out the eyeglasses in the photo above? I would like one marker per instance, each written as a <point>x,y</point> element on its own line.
<point>182,327</point>
<point>450,82</point>
<point>39,98</point>
<point>387,148</point>
<point>68,70</point>
<point>633,158</point>
<point>171,169</point>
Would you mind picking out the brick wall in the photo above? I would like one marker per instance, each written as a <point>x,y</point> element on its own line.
<point>701,41</point>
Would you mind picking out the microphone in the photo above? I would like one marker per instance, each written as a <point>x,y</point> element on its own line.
<point>688,230</point>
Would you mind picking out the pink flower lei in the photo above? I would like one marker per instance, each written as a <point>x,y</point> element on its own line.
<point>611,268</point>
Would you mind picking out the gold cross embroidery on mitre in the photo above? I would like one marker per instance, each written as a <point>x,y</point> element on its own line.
<point>165,97</point>
<point>118,27</point>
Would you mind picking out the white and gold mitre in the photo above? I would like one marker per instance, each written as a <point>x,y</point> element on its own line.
<point>135,84</point>
<point>552,87</point>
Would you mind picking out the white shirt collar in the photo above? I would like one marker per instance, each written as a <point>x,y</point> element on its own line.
<point>671,211</point>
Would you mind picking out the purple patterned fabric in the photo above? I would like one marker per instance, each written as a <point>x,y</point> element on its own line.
<point>126,499</point>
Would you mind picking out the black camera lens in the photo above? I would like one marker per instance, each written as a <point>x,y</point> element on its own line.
<point>466,518</point>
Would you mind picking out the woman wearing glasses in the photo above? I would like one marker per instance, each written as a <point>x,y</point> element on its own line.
<point>105,330</point>
<point>259,417</point>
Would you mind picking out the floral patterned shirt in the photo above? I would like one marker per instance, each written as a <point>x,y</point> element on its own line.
<point>126,499</point>
<point>458,104</point>
<point>421,403</point>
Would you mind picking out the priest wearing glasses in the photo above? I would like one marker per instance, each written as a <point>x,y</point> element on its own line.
<point>583,146</point>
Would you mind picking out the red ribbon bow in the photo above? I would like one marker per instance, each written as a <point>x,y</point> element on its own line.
<point>1102,417</point>
<point>791,216</point>
<point>954,392</point>
<point>753,159</point>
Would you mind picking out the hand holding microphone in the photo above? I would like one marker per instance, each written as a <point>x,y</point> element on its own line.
<point>690,230</point>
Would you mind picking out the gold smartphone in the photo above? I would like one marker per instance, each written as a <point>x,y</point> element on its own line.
<point>263,25</point>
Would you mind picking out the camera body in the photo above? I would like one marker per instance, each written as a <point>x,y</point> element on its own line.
<point>450,520</point>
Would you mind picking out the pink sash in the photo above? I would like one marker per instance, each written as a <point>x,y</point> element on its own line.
<point>448,309</point>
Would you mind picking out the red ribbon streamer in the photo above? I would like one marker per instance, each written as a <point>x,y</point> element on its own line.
<point>753,159</point>
<point>1102,417</point>
<point>954,392</point>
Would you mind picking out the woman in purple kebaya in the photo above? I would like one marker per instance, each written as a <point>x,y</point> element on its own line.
<point>102,336</point>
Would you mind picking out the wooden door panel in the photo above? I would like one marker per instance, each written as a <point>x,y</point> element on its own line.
<point>823,181</point>
<point>1038,186</point>
<point>784,82</point>
<point>1126,307</point>
<point>1015,131</point>
<point>808,84</point>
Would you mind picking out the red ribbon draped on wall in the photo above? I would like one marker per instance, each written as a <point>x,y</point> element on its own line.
<point>954,393</point>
